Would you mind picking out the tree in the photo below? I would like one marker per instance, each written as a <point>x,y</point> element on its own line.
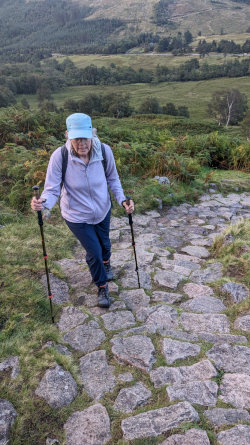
<point>117,105</point>
<point>228,106</point>
<point>150,106</point>
<point>170,109</point>
<point>246,125</point>
<point>183,111</point>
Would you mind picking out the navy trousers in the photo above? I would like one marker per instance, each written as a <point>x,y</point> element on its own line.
<point>95,240</point>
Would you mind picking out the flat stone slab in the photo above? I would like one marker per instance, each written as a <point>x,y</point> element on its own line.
<point>208,275</point>
<point>89,427</point>
<point>205,322</point>
<point>11,363</point>
<point>7,418</point>
<point>137,350</point>
<point>86,337</point>
<point>197,290</point>
<point>70,318</point>
<point>230,358</point>
<point>180,335</point>
<point>163,317</point>
<point>235,389</point>
<point>237,292</point>
<point>130,279</point>
<point>204,304</point>
<point>57,387</point>
<point>167,278</point>
<point>220,416</point>
<point>197,251</point>
<point>131,398</point>
<point>96,374</point>
<point>203,393</point>
<point>204,242</point>
<point>165,375</point>
<point>176,266</point>
<point>243,323</point>
<point>222,338</point>
<point>190,437</point>
<point>118,320</point>
<point>239,435</point>
<point>174,350</point>
<point>134,299</point>
<point>167,297</point>
<point>159,421</point>
<point>182,257</point>
<point>58,287</point>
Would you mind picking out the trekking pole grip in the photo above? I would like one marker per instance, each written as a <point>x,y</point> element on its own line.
<point>129,215</point>
<point>36,190</point>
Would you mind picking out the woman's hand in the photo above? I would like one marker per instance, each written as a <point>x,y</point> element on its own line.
<point>37,204</point>
<point>129,208</point>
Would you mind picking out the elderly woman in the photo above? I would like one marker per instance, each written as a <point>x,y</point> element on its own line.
<point>85,201</point>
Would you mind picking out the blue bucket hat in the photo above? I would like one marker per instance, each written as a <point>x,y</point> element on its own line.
<point>79,125</point>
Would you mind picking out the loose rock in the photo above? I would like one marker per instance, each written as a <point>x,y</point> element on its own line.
<point>57,387</point>
<point>167,297</point>
<point>238,292</point>
<point>7,418</point>
<point>208,275</point>
<point>11,363</point>
<point>88,427</point>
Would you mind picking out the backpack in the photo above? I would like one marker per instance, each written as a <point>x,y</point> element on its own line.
<point>65,163</point>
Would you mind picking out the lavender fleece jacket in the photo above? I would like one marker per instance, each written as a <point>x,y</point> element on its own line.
<point>84,195</point>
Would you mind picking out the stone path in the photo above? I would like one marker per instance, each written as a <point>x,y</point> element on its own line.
<point>172,337</point>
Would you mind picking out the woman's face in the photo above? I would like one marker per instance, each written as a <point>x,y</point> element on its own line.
<point>82,146</point>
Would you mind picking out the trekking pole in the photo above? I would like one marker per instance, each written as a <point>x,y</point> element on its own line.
<point>45,256</point>
<point>130,219</point>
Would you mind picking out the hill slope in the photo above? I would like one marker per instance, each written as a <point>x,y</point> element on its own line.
<point>86,25</point>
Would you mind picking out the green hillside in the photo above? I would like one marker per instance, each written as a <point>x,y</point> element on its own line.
<point>41,27</point>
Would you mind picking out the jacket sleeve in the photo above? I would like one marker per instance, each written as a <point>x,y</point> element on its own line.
<point>112,176</point>
<point>52,186</point>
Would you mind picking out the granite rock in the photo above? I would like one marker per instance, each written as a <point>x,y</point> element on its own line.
<point>89,427</point>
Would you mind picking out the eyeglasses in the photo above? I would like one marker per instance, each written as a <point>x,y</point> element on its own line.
<point>79,140</point>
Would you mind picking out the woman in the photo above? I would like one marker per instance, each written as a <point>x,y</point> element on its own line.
<point>85,201</point>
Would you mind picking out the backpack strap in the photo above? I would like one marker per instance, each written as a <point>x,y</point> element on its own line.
<point>64,152</point>
<point>104,161</point>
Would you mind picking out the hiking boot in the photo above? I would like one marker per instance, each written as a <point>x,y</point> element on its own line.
<point>103,297</point>
<point>108,270</point>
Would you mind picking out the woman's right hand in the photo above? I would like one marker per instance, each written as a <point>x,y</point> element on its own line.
<point>36,204</point>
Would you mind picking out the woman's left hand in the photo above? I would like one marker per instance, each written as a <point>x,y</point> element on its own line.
<point>129,208</point>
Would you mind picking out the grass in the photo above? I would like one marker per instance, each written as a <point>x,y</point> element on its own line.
<point>195,95</point>
<point>148,61</point>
